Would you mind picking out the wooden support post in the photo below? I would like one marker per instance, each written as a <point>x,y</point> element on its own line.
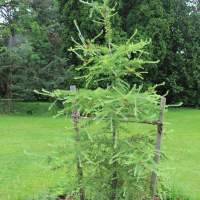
<point>158,146</point>
<point>76,117</point>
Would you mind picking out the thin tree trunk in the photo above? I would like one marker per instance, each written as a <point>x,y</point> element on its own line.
<point>75,117</point>
<point>114,173</point>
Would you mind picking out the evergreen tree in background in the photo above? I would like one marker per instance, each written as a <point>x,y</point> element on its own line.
<point>36,34</point>
<point>31,49</point>
<point>173,26</point>
<point>174,29</point>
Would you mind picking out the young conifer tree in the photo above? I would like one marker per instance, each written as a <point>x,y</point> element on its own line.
<point>117,162</point>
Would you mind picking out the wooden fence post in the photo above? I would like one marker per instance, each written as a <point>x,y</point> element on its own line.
<point>158,146</point>
<point>76,117</point>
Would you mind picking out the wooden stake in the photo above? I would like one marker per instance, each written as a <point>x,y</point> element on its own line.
<point>158,146</point>
<point>76,117</point>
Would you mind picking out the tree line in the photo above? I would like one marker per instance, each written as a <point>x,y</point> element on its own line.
<point>35,36</point>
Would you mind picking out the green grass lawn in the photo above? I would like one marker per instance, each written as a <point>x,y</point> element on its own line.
<point>25,142</point>
<point>182,146</point>
<point>24,145</point>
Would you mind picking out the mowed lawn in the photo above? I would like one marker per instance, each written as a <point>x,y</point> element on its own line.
<point>26,141</point>
<point>182,146</point>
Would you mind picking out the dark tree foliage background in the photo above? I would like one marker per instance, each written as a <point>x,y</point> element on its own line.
<point>35,36</point>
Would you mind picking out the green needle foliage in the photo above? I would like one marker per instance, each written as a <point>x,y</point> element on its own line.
<point>116,163</point>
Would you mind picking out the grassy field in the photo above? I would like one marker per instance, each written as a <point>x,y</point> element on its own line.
<point>182,146</point>
<point>25,142</point>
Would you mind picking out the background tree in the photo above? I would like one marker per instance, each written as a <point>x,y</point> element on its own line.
<point>45,28</point>
<point>172,26</point>
<point>31,48</point>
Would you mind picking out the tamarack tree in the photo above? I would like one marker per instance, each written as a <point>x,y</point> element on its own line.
<point>113,162</point>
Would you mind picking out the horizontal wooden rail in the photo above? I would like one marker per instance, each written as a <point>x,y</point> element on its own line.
<point>156,122</point>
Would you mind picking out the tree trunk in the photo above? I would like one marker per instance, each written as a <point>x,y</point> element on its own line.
<point>114,173</point>
<point>76,117</point>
